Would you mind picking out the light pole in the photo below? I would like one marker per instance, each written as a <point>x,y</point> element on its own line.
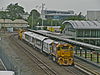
<point>42,13</point>
<point>4,16</point>
<point>32,21</point>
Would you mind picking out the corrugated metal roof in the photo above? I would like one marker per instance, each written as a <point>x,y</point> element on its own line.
<point>40,37</point>
<point>19,21</point>
<point>5,21</point>
<point>84,24</point>
<point>37,36</point>
<point>28,33</point>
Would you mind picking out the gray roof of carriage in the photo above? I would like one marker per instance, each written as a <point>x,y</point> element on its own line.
<point>84,24</point>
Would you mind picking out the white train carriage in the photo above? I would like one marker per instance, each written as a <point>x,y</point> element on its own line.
<point>39,41</point>
<point>47,46</point>
<point>27,36</point>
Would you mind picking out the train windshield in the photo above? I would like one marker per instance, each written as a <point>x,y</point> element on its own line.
<point>65,47</point>
<point>58,48</point>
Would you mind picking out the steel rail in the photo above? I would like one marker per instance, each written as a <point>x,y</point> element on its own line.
<point>86,70</point>
<point>40,63</point>
<point>43,66</point>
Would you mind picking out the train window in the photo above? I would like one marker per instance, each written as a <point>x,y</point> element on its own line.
<point>38,42</point>
<point>33,40</point>
<point>27,36</point>
<point>65,47</point>
<point>45,46</point>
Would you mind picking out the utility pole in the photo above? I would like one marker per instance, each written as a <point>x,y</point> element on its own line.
<point>4,14</point>
<point>32,21</point>
<point>42,13</point>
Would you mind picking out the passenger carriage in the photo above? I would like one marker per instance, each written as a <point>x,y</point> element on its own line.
<point>47,46</point>
<point>39,41</point>
<point>27,36</point>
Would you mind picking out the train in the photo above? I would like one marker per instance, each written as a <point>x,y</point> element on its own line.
<point>62,53</point>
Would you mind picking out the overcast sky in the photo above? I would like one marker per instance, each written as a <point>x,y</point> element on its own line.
<point>76,5</point>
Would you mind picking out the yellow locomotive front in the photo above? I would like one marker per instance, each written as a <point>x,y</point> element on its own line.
<point>20,33</point>
<point>64,54</point>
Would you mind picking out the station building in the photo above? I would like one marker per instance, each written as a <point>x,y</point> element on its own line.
<point>10,25</point>
<point>93,15</point>
<point>56,15</point>
<point>84,31</point>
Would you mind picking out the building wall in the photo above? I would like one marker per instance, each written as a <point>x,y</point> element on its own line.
<point>90,41</point>
<point>91,36</point>
<point>89,33</point>
<point>56,15</point>
<point>93,15</point>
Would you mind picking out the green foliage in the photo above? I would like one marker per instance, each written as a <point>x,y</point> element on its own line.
<point>77,17</point>
<point>50,22</point>
<point>34,18</point>
<point>3,15</point>
<point>15,11</point>
<point>44,28</point>
<point>35,14</point>
<point>62,27</point>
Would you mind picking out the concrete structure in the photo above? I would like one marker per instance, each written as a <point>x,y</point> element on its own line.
<point>56,15</point>
<point>84,31</point>
<point>9,24</point>
<point>93,15</point>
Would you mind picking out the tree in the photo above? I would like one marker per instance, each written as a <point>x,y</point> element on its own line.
<point>33,18</point>
<point>15,11</point>
<point>76,17</point>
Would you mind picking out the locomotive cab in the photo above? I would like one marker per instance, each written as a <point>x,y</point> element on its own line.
<point>63,54</point>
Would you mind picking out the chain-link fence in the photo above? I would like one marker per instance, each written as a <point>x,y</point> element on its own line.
<point>9,61</point>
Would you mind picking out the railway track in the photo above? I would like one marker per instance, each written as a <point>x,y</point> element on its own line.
<point>40,63</point>
<point>91,70</point>
<point>76,70</point>
<point>81,70</point>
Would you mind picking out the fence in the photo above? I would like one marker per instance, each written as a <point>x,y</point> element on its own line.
<point>89,54</point>
<point>9,61</point>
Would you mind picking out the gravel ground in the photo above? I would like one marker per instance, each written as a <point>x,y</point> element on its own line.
<point>23,62</point>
